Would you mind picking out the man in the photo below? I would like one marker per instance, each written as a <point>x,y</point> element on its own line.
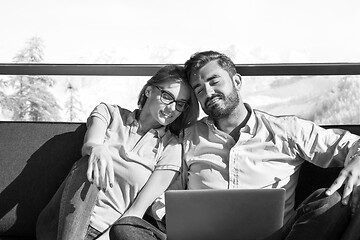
<point>238,147</point>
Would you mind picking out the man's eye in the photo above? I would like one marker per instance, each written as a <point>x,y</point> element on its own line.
<point>212,83</point>
<point>200,91</point>
<point>181,104</point>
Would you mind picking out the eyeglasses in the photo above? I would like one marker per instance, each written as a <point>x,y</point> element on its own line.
<point>167,98</point>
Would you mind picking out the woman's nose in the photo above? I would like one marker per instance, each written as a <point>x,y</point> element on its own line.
<point>172,106</point>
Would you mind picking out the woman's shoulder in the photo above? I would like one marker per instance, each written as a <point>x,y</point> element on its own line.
<point>113,107</point>
<point>112,111</point>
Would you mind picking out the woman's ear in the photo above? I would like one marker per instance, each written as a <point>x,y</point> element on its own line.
<point>237,81</point>
<point>148,91</point>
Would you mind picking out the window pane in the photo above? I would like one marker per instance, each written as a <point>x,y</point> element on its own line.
<point>323,99</point>
<point>69,98</point>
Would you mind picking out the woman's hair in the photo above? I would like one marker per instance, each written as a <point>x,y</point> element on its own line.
<point>177,74</point>
<point>200,59</point>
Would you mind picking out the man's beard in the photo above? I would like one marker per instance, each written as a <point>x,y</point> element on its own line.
<point>223,108</point>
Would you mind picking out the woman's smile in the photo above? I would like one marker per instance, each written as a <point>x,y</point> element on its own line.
<point>166,115</point>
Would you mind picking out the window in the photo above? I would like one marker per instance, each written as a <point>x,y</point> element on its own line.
<point>157,32</point>
<point>323,99</point>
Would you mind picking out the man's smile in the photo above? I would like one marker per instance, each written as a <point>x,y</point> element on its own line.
<point>212,101</point>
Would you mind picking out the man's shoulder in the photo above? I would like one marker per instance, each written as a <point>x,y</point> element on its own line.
<point>196,128</point>
<point>273,118</point>
<point>199,123</point>
<point>289,125</point>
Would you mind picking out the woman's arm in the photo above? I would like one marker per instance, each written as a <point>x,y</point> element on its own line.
<point>100,168</point>
<point>158,182</point>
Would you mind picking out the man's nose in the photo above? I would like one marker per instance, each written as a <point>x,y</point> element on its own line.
<point>208,90</point>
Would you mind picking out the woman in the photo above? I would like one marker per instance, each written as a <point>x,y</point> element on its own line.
<point>129,157</point>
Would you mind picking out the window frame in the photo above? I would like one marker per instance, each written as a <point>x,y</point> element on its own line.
<point>276,69</point>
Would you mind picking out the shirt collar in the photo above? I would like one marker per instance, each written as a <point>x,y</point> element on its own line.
<point>132,120</point>
<point>250,126</point>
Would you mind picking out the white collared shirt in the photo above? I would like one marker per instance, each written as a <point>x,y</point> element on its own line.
<point>268,153</point>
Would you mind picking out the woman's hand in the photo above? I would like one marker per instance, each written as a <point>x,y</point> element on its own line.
<point>100,168</point>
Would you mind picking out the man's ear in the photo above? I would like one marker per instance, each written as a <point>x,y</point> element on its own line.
<point>237,81</point>
<point>148,91</point>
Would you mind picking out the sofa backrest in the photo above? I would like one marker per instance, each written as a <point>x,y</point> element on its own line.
<point>34,160</point>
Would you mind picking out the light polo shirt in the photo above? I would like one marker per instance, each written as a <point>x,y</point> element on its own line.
<point>268,154</point>
<point>135,157</point>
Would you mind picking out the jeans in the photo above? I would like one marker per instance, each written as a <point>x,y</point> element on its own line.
<point>320,217</point>
<point>134,228</point>
<point>67,215</point>
<point>91,233</point>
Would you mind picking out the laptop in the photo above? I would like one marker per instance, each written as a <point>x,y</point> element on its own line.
<point>223,214</point>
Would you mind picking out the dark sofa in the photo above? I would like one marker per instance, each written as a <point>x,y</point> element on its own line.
<point>36,157</point>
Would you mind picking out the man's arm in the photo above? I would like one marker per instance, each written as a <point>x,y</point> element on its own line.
<point>328,148</point>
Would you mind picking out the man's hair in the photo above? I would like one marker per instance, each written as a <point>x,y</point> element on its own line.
<point>200,59</point>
